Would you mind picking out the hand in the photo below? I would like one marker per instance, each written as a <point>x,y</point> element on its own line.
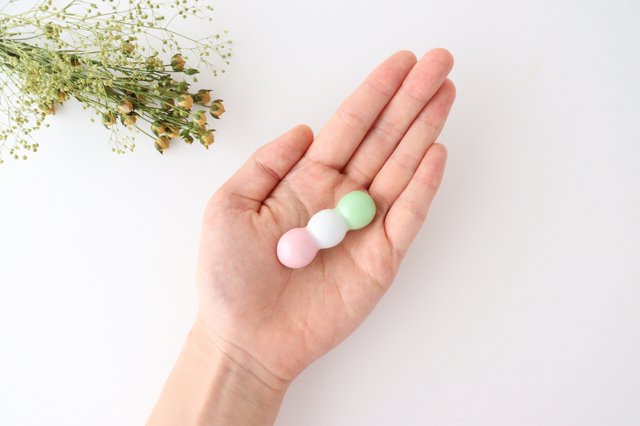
<point>277,320</point>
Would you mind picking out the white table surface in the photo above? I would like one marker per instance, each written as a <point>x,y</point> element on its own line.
<point>519,303</point>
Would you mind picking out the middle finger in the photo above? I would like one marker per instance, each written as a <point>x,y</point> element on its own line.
<point>418,87</point>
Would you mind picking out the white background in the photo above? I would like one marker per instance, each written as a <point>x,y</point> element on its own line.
<point>518,305</point>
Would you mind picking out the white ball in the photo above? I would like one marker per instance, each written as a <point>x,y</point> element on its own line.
<point>327,228</point>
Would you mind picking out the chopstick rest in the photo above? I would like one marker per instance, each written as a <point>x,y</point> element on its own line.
<point>327,228</point>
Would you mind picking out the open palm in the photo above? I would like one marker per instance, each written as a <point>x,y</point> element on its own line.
<point>381,139</point>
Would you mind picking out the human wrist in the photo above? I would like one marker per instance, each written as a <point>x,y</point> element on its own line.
<point>245,389</point>
<point>237,360</point>
<point>214,382</point>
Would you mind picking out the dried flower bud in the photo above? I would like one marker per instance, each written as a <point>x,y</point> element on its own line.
<point>217,108</point>
<point>108,119</point>
<point>158,128</point>
<point>52,31</point>
<point>168,104</point>
<point>200,118</point>
<point>48,108</point>
<point>153,63</point>
<point>172,131</point>
<point>74,60</point>
<point>202,97</point>
<point>127,47</point>
<point>130,120</point>
<point>126,106</point>
<point>182,87</point>
<point>206,138</point>
<point>177,62</point>
<point>188,139</point>
<point>161,144</point>
<point>62,96</point>
<point>186,101</point>
<point>135,97</point>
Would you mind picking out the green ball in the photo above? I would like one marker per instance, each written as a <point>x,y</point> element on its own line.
<point>357,209</point>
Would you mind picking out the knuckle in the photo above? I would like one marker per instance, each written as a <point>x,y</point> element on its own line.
<point>416,209</point>
<point>266,170</point>
<point>406,160</point>
<point>386,131</point>
<point>352,119</point>
<point>380,86</point>
<point>415,91</point>
<point>427,180</point>
<point>356,173</point>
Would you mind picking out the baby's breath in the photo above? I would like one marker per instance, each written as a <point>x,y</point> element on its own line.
<point>121,59</point>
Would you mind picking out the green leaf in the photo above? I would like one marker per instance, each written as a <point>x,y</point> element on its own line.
<point>191,71</point>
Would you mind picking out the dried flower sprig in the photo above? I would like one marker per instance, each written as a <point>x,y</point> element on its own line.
<point>126,63</point>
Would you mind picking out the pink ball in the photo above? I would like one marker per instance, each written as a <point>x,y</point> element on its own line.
<point>296,248</point>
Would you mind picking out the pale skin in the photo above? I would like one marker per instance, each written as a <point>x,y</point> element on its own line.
<point>260,324</point>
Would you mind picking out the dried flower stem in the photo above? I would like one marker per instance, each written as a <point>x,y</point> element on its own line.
<point>109,58</point>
